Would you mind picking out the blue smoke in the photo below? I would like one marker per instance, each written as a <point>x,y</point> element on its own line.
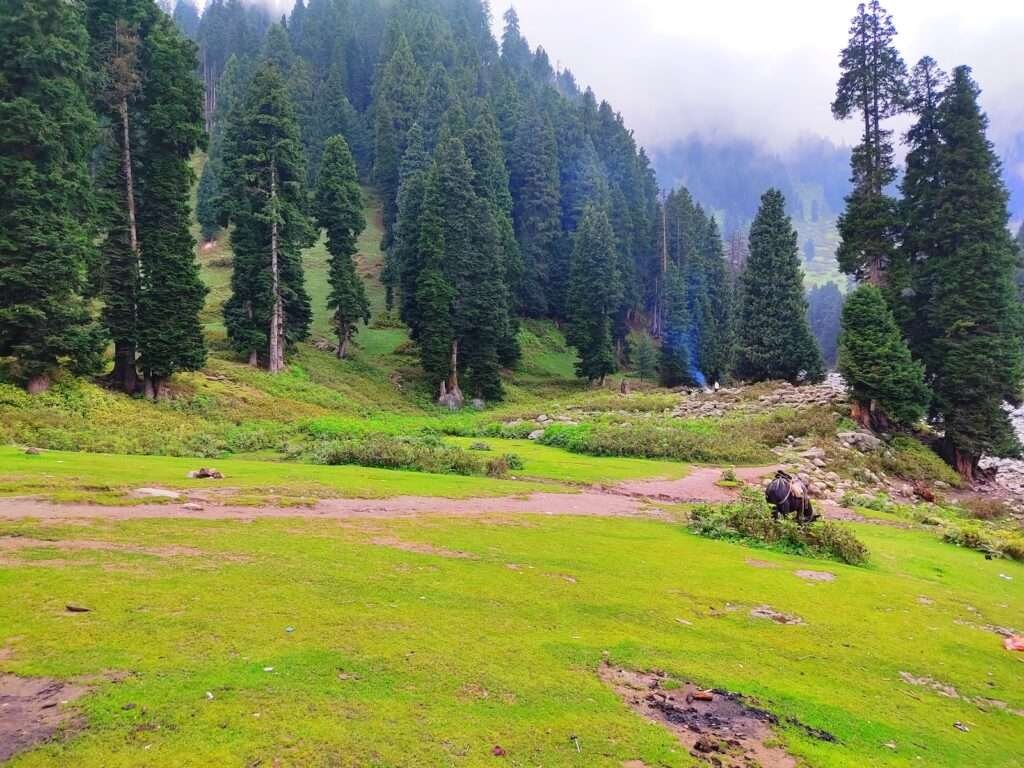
<point>685,346</point>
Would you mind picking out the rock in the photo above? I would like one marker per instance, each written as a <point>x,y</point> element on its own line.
<point>205,474</point>
<point>193,507</point>
<point>543,419</point>
<point>156,493</point>
<point>32,451</point>
<point>537,434</point>
<point>72,608</point>
<point>864,442</point>
<point>819,463</point>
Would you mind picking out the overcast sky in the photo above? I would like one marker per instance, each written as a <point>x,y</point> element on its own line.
<point>759,69</point>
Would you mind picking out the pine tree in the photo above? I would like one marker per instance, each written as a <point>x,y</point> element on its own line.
<point>269,306</point>
<point>46,134</point>
<point>533,163</point>
<point>118,29</point>
<point>490,182</point>
<point>397,104</point>
<point>644,356</point>
<point>186,16</point>
<point>873,84</point>
<point>677,348</point>
<point>339,210</point>
<point>974,312</point>
<point>773,339</point>
<point>824,314</point>
<point>886,384</point>
<point>918,209</point>
<point>171,293</point>
<point>594,293</point>
<point>403,260</point>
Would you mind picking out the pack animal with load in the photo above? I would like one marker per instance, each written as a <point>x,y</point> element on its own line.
<point>788,496</point>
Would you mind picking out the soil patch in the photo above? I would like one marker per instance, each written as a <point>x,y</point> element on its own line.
<point>767,612</point>
<point>422,549</point>
<point>717,727</point>
<point>763,564</point>
<point>17,543</point>
<point>950,692</point>
<point>816,575</point>
<point>701,485</point>
<point>33,710</point>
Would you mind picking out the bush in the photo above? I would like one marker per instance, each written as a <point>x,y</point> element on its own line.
<point>994,543</point>
<point>913,460</point>
<point>479,447</point>
<point>411,454</point>
<point>987,509</point>
<point>750,520</point>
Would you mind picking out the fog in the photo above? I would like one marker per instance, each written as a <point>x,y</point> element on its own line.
<point>762,70</point>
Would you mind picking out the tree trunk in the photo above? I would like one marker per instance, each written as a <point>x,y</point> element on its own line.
<point>125,374</point>
<point>275,362</point>
<point>38,384</point>
<point>453,376</point>
<point>254,358</point>
<point>964,463</point>
<point>153,387</point>
<point>343,339</point>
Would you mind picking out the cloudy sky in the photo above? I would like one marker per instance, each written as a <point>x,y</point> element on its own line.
<point>758,69</point>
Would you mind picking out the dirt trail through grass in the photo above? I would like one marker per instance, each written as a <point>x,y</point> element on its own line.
<point>632,499</point>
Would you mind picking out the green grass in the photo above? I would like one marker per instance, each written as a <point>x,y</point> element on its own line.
<point>406,659</point>
<point>110,476</point>
<point>545,462</point>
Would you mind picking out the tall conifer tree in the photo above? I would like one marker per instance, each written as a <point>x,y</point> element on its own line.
<point>46,134</point>
<point>269,306</point>
<point>171,293</point>
<point>339,210</point>
<point>595,290</point>
<point>773,338</point>
<point>873,85</point>
<point>977,357</point>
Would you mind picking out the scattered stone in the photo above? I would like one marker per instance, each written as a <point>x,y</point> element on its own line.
<point>865,442</point>
<point>72,608</point>
<point>961,727</point>
<point>155,493</point>
<point>193,507</point>
<point>205,473</point>
<point>767,612</point>
<point>537,434</point>
<point>30,451</point>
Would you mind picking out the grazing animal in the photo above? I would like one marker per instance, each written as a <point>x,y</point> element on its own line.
<point>788,496</point>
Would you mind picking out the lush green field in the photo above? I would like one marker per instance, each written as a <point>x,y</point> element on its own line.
<point>402,658</point>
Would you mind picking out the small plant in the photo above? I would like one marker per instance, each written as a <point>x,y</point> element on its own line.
<point>479,447</point>
<point>987,509</point>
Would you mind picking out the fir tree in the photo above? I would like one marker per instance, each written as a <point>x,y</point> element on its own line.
<point>644,356</point>
<point>186,16</point>
<point>403,260</point>
<point>593,297</point>
<point>677,353</point>
<point>873,84</point>
<point>171,295</point>
<point>918,208</point>
<point>46,134</point>
<point>269,306</point>
<point>974,314</point>
<point>397,104</point>
<point>824,314</point>
<point>490,182</point>
<point>885,383</point>
<point>533,162</point>
<point>773,339</point>
<point>339,210</point>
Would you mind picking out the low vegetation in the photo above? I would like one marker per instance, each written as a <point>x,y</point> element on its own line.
<point>411,454</point>
<point>750,520</point>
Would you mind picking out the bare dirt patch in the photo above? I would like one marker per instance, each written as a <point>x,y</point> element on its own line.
<point>753,562</point>
<point>950,692</point>
<point>33,710</point>
<point>18,543</point>
<point>701,485</point>
<point>816,575</point>
<point>717,727</point>
<point>422,549</point>
<point>767,612</point>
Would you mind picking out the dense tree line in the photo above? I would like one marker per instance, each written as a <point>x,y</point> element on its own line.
<point>103,115</point>
<point>943,255</point>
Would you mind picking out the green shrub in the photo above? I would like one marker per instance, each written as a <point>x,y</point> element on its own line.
<point>913,460</point>
<point>412,454</point>
<point>987,509</point>
<point>750,520</point>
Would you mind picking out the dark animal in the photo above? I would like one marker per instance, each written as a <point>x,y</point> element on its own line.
<point>788,496</point>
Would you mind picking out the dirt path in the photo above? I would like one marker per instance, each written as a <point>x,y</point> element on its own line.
<point>632,499</point>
